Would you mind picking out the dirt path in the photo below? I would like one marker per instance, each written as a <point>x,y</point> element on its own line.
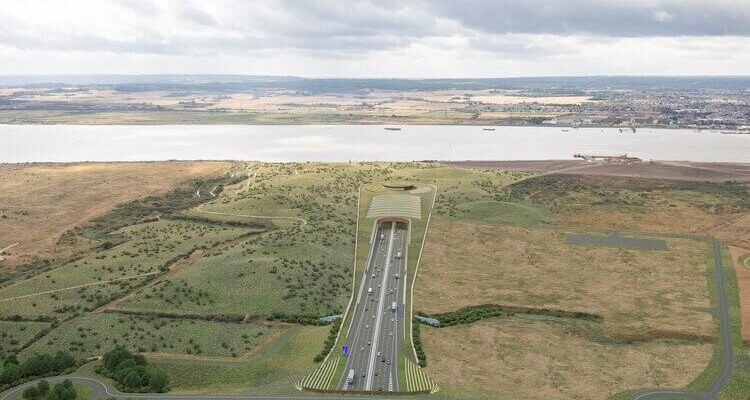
<point>79,286</point>
<point>251,181</point>
<point>9,247</point>
<point>173,269</point>
<point>302,221</point>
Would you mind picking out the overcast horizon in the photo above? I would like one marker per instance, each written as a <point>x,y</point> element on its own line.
<point>377,39</point>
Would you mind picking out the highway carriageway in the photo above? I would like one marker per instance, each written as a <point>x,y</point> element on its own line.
<point>375,335</point>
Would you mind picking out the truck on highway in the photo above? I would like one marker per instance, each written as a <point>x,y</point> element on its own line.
<point>350,377</point>
<point>393,306</point>
<point>398,254</point>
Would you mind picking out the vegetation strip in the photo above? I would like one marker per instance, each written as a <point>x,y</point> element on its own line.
<point>416,271</point>
<point>81,286</point>
<point>471,314</point>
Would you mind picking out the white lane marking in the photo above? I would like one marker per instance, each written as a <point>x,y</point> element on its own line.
<point>352,360</point>
<point>379,314</point>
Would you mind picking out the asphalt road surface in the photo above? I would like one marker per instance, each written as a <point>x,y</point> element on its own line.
<point>727,353</point>
<point>376,333</point>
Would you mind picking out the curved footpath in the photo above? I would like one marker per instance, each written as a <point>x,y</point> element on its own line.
<point>102,390</point>
<point>727,353</point>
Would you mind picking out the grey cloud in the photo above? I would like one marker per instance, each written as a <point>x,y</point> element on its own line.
<point>614,18</point>
<point>345,28</point>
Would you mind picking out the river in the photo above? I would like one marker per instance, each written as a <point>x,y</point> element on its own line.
<point>66,143</point>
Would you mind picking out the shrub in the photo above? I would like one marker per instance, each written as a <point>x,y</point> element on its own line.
<point>131,373</point>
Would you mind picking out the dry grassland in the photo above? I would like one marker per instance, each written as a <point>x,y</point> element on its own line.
<point>40,202</point>
<point>638,292</point>
<point>531,359</point>
<point>741,260</point>
<point>664,214</point>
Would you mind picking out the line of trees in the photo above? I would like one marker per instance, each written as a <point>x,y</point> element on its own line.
<point>14,372</point>
<point>472,314</point>
<point>421,356</point>
<point>131,373</point>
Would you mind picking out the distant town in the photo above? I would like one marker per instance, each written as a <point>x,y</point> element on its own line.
<point>718,103</point>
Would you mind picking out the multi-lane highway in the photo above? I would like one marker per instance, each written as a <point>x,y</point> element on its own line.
<point>375,336</point>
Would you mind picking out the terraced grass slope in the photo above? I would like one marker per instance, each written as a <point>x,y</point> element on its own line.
<point>94,334</point>
<point>102,276</point>
<point>301,269</point>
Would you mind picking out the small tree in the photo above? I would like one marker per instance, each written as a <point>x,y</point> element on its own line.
<point>31,393</point>
<point>11,359</point>
<point>42,387</point>
<point>63,391</point>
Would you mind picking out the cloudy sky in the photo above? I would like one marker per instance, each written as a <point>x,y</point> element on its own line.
<point>377,38</point>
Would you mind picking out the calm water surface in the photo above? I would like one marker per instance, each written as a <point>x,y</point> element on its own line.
<point>22,143</point>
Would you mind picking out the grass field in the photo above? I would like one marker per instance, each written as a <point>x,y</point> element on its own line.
<point>273,370</point>
<point>610,202</point>
<point>95,334</point>
<point>505,245</point>
<point>40,202</point>
<point>637,292</point>
<point>528,358</point>
<point>16,334</point>
<point>104,275</point>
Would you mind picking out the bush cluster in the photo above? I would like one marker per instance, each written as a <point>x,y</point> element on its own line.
<point>131,373</point>
<point>41,391</point>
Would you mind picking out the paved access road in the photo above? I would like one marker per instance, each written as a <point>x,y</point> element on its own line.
<point>101,390</point>
<point>377,330</point>
<point>725,335</point>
